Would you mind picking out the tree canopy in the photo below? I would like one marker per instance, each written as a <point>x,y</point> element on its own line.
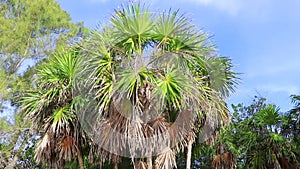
<point>30,32</point>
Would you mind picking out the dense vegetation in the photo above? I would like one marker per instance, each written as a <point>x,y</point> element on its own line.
<point>143,91</point>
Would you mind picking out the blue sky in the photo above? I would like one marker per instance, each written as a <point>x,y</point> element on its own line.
<point>261,36</point>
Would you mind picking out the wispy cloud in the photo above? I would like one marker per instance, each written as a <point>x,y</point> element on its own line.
<point>230,6</point>
<point>289,89</point>
<point>97,1</point>
<point>252,8</point>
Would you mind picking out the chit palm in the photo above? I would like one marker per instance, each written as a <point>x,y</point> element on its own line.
<point>143,76</point>
<point>162,68</point>
<point>51,110</point>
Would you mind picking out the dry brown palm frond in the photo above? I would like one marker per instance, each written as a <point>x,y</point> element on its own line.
<point>140,165</point>
<point>217,161</point>
<point>225,160</point>
<point>45,152</point>
<point>158,126</point>
<point>44,149</point>
<point>182,129</point>
<point>229,160</point>
<point>157,135</point>
<point>166,160</point>
<point>119,135</point>
<point>287,164</point>
<point>107,156</point>
<point>67,149</point>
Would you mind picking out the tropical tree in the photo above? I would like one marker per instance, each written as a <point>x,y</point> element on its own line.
<point>255,139</point>
<point>152,80</point>
<point>51,108</point>
<point>30,31</point>
<point>291,130</point>
<point>147,85</point>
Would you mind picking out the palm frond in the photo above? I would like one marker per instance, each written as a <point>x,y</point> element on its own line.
<point>132,25</point>
<point>221,76</point>
<point>67,148</point>
<point>175,33</point>
<point>166,159</point>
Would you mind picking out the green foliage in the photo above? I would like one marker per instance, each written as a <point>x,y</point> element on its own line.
<point>291,125</point>
<point>137,58</point>
<point>13,142</point>
<point>259,136</point>
<point>29,32</point>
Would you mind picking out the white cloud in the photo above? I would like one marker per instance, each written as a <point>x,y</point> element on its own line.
<point>289,89</point>
<point>230,6</point>
<point>97,1</point>
<point>253,8</point>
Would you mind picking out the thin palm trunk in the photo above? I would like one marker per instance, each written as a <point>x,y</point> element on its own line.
<point>189,154</point>
<point>115,165</point>
<point>149,162</point>
<point>80,159</point>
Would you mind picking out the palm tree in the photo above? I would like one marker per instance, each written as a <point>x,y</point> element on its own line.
<point>256,139</point>
<point>291,130</point>
<point>151,81</point>
<point>51,109</point>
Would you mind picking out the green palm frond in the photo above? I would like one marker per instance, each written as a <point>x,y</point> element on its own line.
<point>169,24</point>
<point>132,24</point>
<point>61,118</point>
<point>296,102</point>
<point>169,89</point>
<point>221,76</point>
<point>175,33</point>
<point>175,88</point>
<point>60,68</point>
<point>130,80</point>
<point>268,116</point>
<point>296,99</point>
<point>100,77</point>
<point>55,79</point>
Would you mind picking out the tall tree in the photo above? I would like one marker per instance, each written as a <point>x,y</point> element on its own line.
<point>154,78</point>
<point>30,31</point>
<point>51,106</point>
<point>146,85</point>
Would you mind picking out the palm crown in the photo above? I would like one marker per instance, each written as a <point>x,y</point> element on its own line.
<point>153,74</point>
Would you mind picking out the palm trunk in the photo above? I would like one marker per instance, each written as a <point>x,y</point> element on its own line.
<point>80,159</point>
<point>115,165</point>
<point>222,156</point>
<point>149,162</point>
<point>189,154</point>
